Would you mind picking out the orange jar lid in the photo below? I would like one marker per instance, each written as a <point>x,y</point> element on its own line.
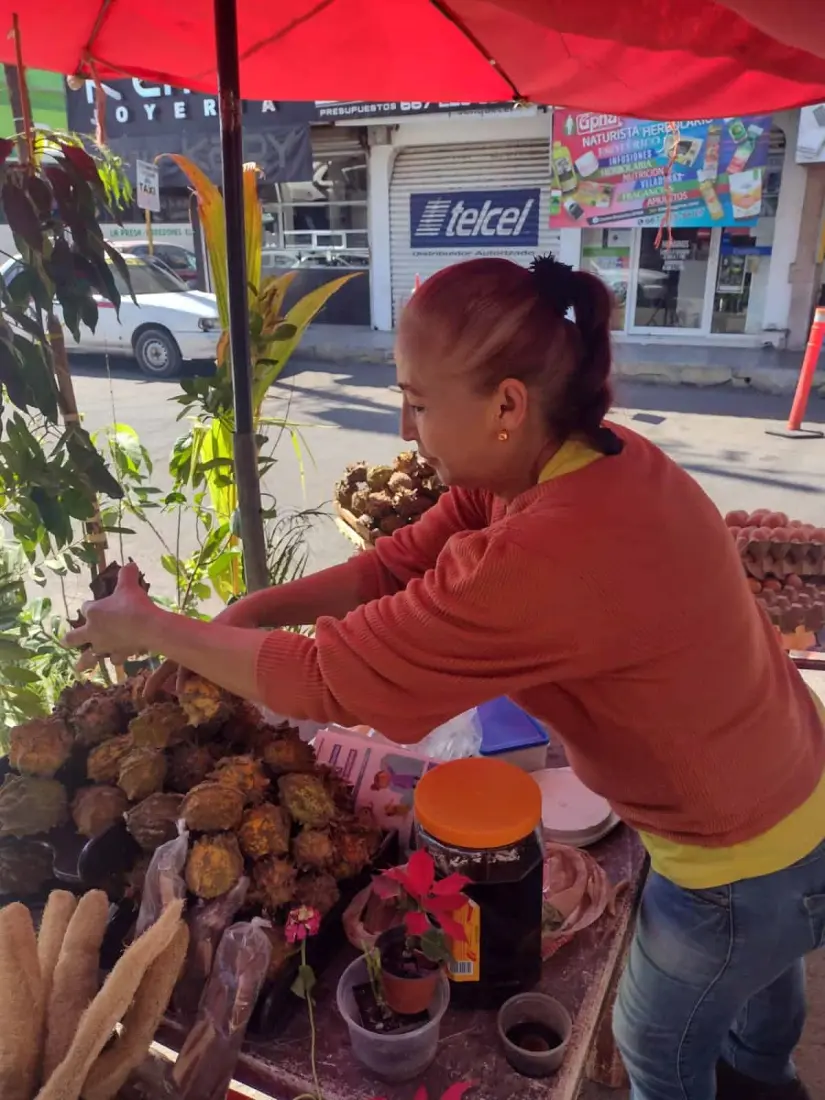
<point>478,803</point>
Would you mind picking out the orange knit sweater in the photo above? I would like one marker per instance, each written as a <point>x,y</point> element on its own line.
<point>611,604</point>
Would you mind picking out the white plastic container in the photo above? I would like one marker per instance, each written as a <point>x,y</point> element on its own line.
<point>391,1057</point>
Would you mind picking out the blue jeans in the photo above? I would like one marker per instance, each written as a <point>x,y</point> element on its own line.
<point>718,974</point>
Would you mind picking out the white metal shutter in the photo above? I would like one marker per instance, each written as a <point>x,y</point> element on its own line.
<point>336,141</point>
<point>461,167</point>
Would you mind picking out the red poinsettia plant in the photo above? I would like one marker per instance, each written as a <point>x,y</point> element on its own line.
<point>429,905</point>
<point>454,1092</point>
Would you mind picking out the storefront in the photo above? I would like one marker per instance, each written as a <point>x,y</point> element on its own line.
<point>708,275</point>
<point>454,187</point>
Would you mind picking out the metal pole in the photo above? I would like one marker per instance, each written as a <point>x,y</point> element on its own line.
<point>246,456</point>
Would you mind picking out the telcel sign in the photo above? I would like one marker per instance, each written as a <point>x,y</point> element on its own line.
<point>475,219</point>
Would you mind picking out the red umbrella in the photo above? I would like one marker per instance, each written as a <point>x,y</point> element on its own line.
<point>648,58</point>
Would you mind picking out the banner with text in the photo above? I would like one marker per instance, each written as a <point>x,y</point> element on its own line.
<point>610,171</point>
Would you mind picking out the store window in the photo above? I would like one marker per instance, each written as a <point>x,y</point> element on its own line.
<point>742,279</point>
<point>606,253</point>
<point>672,278</point>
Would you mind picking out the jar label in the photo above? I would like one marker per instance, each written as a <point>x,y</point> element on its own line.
<point>466,953</point>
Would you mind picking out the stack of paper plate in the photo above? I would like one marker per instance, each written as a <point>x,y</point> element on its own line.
<point>571,813</point>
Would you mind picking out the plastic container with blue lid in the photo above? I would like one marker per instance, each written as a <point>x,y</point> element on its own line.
<point>510,733</point>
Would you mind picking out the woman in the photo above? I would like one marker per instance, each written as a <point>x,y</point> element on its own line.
<point>574,567</point>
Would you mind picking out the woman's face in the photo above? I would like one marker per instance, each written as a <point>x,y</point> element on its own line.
<point>457,428</point>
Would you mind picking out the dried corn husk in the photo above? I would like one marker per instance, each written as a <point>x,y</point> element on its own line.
<point>21,1007</point>
<point>110,1005</point>
<point>76,976</point>
<point>109,1073</point>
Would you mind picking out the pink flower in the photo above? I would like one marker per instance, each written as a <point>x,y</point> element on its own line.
<point>302,922</point>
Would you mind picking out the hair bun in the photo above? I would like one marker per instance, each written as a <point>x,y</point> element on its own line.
<point>554,283</point>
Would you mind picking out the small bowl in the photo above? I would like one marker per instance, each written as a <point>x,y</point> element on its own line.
<point>548,1015</point>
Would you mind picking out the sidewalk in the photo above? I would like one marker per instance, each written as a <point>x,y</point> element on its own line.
<point>764,369</point>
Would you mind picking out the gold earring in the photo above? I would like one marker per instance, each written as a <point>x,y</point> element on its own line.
<point>503,435</point>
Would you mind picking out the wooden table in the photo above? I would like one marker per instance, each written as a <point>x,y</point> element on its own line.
<point>582,975</point>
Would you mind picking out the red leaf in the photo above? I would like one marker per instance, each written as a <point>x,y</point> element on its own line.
<point>456,1092</point>
<point>421,873</point>
<point>452,884</point>
<point>416,923</point>
<point>453,929</point>
<point>421,1094</point>
<point>445,905</point>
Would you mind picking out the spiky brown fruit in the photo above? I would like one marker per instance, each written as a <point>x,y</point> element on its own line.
<point>433,486</point>
<point>281,950</point>
<point>158,726</point>
<point>274,881</point>
<point>318,891</point>
<point>343,493</point>
<point>142,772</point>
<point>203,702</point>
<point>74,695</point>
<point>212,808</point>
<point>379,505</point>
<point>288,753</point>
<point>313,849</point>
<point>378,477</point>
<point>407,462</point>
<point>30,806</point>
<point>358,504</point>
<point>390,524</point>
<point>401,480</point>
<point>94,809</point>
<point>353,852</point>
<point>356,473</point>
<point>214,865</point>
<point>25,867</point>
<point>40,747</point>
<point>103,763</point>
<point>339,789</point>
<point>189,765</point>
<point>264,832</point>
<point>245,774</point>
<point>409,503</point>
<point>307,800</point>
<point>154,820</point>
<point>424,468</point>
<point>97,719</point>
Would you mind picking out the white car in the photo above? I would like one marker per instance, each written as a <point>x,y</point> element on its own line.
<point>169,324</point>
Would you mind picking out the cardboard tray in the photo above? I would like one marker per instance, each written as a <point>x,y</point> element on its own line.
<point>367,536</point>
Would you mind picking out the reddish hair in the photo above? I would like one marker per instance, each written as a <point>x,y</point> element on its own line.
<point>497,320</point>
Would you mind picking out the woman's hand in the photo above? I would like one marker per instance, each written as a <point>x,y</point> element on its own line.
<point>120,625</point>
<point>242,613</point>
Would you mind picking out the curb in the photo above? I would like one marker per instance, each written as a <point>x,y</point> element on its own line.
<point>769,380</point>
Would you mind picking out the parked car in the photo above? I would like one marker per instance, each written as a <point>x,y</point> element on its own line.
<point>181,260</point>
<point>169,324</point>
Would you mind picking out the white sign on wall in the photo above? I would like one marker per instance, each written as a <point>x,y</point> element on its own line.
<point>810,143</point>
<point>147,186</point>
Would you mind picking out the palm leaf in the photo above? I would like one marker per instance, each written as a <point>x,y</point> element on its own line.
<point>277,352</point>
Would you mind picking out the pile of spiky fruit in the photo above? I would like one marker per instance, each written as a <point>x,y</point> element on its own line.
<point>384,498</point>
<point>772,545</point>
<point>251,795</point>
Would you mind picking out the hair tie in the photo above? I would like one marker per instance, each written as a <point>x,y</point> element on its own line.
<point>554,283</point>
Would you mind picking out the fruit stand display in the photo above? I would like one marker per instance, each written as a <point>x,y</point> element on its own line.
<point>784,560</point>
<point>372,501</point>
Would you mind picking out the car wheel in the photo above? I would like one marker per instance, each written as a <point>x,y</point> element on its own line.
<point>157,353</point>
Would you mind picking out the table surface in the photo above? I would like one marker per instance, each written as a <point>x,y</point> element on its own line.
<point>578,975</point>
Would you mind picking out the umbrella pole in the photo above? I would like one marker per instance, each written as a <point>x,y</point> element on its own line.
<point>246,453</point>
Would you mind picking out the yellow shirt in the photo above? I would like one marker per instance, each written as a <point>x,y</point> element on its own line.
<point>691,865</point>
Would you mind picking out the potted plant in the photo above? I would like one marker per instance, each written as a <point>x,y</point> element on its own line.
<point>414,954</point>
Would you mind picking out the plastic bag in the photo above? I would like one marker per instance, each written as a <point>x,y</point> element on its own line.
<point>208,920</point>
<point>454,740</point>
<point>207,1060</point>
<point>164,880</point>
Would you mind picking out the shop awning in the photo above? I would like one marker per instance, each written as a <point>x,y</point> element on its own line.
<point>661,59</point>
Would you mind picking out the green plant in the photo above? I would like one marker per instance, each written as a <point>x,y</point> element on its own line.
<point>274,335</point>
<point>372,957</point>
